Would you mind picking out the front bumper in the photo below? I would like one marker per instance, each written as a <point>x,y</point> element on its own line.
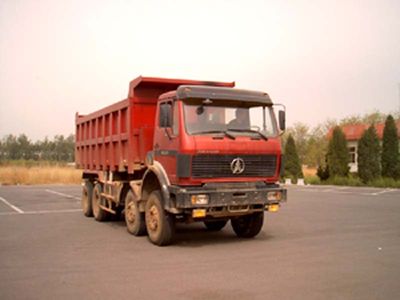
<point>229,199</point>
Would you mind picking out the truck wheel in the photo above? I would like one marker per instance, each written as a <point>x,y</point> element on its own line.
<point>98,213</point>
<point>86,202</point>
<point>248,226</point>
<point>215,225</point>
<point>159,224</point>
<point>134,219</point>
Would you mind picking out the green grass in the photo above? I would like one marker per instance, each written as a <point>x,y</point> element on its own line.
<point>354,180</point>
<point>312,180</point>
<point>386,182</point>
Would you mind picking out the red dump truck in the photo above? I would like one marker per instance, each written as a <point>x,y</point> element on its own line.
<point>182,151</point>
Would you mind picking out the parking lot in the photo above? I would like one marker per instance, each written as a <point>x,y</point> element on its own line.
<point>324,243</point>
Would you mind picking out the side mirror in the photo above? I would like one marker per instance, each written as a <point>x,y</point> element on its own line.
<point>165,115</point>
<point>282,120</point>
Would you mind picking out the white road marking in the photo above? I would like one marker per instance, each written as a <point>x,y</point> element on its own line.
<point>62,194</point>
<point>382,192</point>
<point>18,210</point>
<point>41,212</point>
<point>341,190</point>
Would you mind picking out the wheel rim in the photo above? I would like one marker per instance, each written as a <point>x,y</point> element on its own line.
<point>153,219</point>
<point>131,212</point>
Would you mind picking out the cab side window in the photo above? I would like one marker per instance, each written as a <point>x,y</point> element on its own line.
<point>169,116</point>
<point>165,119</point>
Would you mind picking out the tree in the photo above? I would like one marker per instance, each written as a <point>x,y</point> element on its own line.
<point>300,133</point>
<point>292,161</point>
<point>351,120</point>
<point>46,149</point>
<point>338,154</point>
<point>1,150</point>
<point>368,155</point>
<point>24,150</point>
<point>369,118</point>
<point>316,147</point>
<point>373,118</point>
<point>10,147</point>
<point>390,149</point>
<point>58,149</point>
<point>64,147</point>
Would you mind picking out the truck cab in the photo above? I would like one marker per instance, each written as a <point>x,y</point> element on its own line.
<point>219,152</point>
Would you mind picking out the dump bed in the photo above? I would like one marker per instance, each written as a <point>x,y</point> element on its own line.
<point>117,137</point>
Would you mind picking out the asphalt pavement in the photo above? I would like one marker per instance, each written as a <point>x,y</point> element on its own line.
<point>324,243</point>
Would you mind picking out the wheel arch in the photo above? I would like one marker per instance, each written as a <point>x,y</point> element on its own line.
<point>155,178</point>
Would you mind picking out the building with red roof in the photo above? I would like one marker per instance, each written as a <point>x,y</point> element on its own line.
<point>353,133</point>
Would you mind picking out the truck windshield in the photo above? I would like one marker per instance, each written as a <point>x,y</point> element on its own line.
<point>210,118</point>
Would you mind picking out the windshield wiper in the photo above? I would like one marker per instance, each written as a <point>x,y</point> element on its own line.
<point>250,130</point>
<point>216,131</point>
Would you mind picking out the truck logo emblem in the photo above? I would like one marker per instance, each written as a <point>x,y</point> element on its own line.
<point>237,166</point>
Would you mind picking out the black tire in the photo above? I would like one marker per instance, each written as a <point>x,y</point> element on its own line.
<point>86,201</point>
<point>134,219</point>
<point>98,213</point>
<point>215,225</point>
<point>159,224</point>
<point>248,226</point>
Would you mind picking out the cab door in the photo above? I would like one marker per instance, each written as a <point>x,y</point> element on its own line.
<point>166,137</point>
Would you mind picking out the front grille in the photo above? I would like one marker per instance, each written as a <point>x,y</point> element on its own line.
<point>212,166</point>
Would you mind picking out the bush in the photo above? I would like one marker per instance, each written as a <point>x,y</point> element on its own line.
<point>380,182</point>
<point>347,181</point>
<point>385,182</point>
<point>312,180</point>
<point>323,173</point>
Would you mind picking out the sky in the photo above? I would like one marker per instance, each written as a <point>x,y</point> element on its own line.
<point>322,59</point>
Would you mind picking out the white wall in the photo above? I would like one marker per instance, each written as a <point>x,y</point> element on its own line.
<point>353,165</point>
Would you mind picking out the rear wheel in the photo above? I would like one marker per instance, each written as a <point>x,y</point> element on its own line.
<point>134,219</point>
<point>159,224</point>
<point>215,225</point>
<point>86,202</point>
<point>248,226</point>
<point>97,200</point>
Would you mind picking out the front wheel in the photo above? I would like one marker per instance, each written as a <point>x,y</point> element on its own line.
<point>159,224</point>
<point>134,219</point>
<point>248,226</point>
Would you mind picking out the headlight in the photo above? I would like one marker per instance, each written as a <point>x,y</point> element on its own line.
<point>274,196</point>
<point>201,199</point>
